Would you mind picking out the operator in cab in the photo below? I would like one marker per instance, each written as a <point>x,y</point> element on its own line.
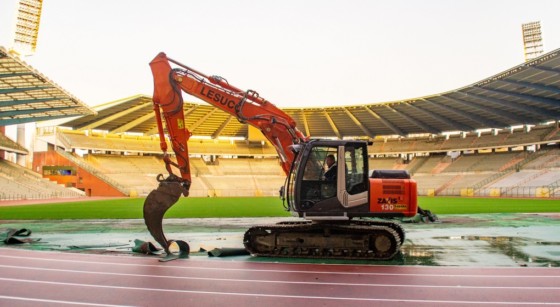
<point>330,174</point>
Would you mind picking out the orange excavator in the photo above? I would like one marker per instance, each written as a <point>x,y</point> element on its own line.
<point>336,203</point>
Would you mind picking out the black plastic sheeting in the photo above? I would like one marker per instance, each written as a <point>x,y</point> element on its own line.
<point>17,236</point>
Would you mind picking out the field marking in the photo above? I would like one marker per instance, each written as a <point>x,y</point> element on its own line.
<point>277,271</point>
<point>276,295</point>
<point>277,281</point>
<point>28,299</point>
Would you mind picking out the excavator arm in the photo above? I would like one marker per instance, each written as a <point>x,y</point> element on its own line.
<point>247,106</point>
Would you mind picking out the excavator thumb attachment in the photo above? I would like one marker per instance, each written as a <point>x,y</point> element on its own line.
<point>155,206</point>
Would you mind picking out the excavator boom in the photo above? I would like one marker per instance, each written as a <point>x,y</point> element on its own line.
<point>247,106</point>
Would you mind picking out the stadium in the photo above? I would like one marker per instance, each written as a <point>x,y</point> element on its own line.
<point>499,137</point>
<point>491,143</point>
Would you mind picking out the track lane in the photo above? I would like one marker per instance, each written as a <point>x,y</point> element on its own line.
<point>141,281</point>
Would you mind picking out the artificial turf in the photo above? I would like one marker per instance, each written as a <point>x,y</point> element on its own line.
<point>466,205</point>
<point>131,208</point>
<point>193,207</point>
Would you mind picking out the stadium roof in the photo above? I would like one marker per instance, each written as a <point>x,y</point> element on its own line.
<point>527,94</point>
<point>26,95</point>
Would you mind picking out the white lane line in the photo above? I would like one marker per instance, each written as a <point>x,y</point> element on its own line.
<point>167,265</point>
<point>368,266</point>
<point>28,299</point>
<point>277,295</point>
<point>457,287</point>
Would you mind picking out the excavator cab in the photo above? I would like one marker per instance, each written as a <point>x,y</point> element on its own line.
<point>350,193</point>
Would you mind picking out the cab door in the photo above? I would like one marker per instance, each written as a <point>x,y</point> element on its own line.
<point>352,179</point>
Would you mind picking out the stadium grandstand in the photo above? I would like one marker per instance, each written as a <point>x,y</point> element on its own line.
<point>498,137</point>
<point>27,96</point>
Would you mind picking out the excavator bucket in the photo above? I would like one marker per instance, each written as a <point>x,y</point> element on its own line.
<point>155,206</point>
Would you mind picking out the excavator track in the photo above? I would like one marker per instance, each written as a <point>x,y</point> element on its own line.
<point>368,240</point>
<point>364,222</point>
<point>396,227</point>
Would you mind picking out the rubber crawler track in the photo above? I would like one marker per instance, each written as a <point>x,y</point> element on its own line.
<point>372,240</point>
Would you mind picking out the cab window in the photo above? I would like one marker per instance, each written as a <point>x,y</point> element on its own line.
<point>356,173</point>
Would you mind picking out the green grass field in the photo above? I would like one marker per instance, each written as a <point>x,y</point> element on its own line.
<point>131,208</point>
<point>252,207</point>
<point>457,205</point>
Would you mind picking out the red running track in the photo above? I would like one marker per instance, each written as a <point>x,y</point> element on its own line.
<point>34,278</point>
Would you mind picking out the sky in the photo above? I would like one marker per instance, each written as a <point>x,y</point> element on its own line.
<point>295,53</point>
